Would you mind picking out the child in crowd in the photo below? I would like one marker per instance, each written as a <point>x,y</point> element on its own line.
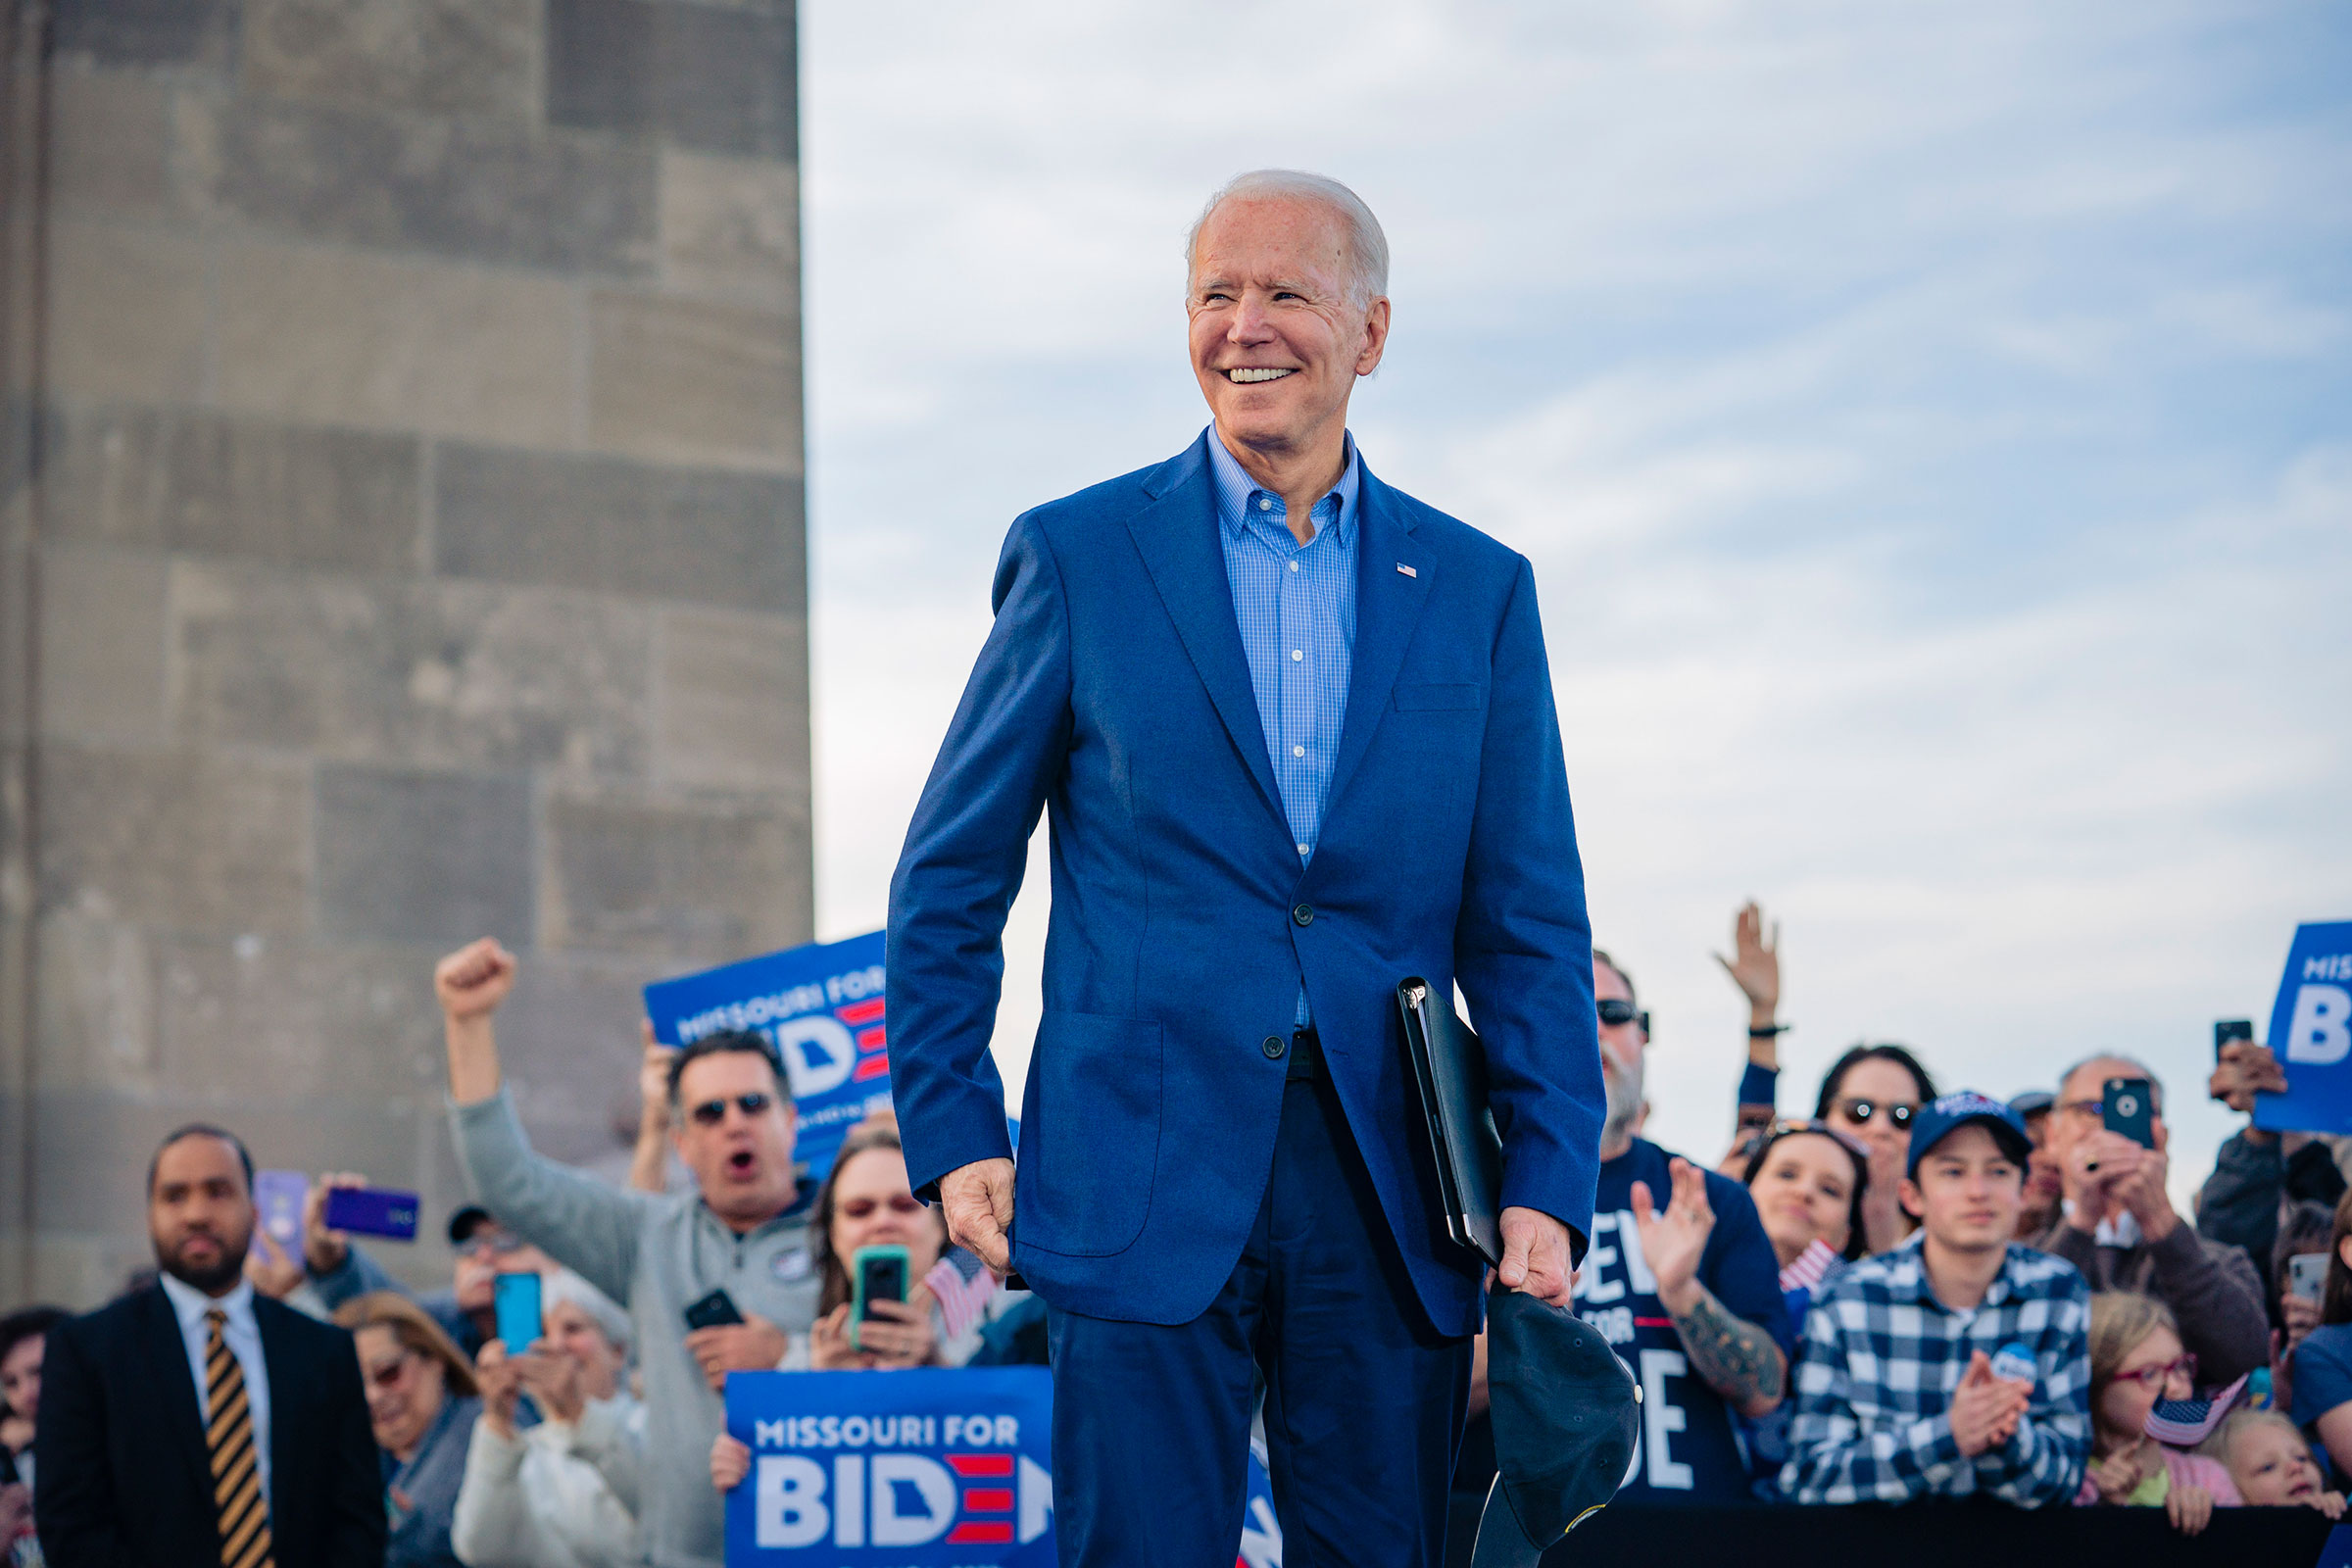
<point>2136,1360</point>
<point>2271,1464</point>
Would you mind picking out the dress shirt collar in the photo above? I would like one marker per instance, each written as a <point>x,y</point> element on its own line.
<point>1236,508</point>
<point>190,1304</point>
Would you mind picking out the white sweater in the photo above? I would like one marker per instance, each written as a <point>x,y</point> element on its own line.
<point>560,1495</point>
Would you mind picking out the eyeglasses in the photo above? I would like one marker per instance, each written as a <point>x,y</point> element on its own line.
<point>900,1204</point>
<point>2159,1376</point>
<point>1860,1111</point>
<point>386,1374</point>
<point>1615,1011</point>
<point>500,1243</point>
<point>711,1112</point>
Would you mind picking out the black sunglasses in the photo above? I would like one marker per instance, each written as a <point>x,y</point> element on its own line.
<point>1859,1112</point>
<point>1616,1012</point>
<point>711,1112</point>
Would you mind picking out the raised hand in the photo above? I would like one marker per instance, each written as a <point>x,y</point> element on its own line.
<point>323,1249</point>
<point>653,1075</point>
<point>472,981</point>
<point>2245,1069</point>
<point>499,1376</point>
<point>1756,964</point>
<point>1673,1241</point>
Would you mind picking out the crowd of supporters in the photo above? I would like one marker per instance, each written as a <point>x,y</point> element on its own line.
<point>1909,1292</point>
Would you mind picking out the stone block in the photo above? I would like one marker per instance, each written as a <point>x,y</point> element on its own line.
<point>567,1041</point>
<point>109,140</point>
<point>437,858</point>
<point>694,382</point>
<point>126,313</point>
<point>147,33</point>
<point>102,644</point>
<point>716,79</point>
<point>732,701</point>
<point>731,230</point>
<point>430,673</point>
<point>195,841</point>
<point>197,481</point>
<point>268,1018</point>
<point>334,337</point>
<point>430,57</point>
<point>94,1005</point>
<point>613,525</point>
<point>705,879</point>
<point>474,190</point>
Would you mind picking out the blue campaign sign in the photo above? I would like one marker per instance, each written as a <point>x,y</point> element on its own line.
<point>2311,1033</point>
<point>822,1007</point>
<point>931,1468</point>
<point>912,1469</point>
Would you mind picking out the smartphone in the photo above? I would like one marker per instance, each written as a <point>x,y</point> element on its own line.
<point>2229,1029</point>
<point>2306,1275</point>
<point>372,1211</point>
<point>715,1310</point>
<point>277,1199</point>
<point>876,1274</point>
<point>2125,1110</point>
<point>515,1297</point>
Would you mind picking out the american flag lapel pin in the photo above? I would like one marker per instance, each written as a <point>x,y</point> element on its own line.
<point>1408,571</point>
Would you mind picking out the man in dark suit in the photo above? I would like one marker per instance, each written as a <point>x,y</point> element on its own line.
<point>195,1422</point>
<point>1296,736</point>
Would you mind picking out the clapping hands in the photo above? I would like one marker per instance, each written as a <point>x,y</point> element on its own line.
<point>1986,1409</point>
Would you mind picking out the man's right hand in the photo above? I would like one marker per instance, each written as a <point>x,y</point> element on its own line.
<point>1986,1408</point>
<point>473,980</point>
<point>2244,1069</point>
<point>324,1251</point>
<point>977,1199</point>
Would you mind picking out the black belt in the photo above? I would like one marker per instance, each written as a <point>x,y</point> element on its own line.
<point>1307,1056</point>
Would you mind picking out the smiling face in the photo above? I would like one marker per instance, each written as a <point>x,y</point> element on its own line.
<point>404,1390</point>
<point>572,1332</point>
<point>873,1207</point>
<point>200,1214</point>
<point>1804,1193</point>
<point>1278,336</point>
<point>2273,1466</point>
<point>741,1157</point>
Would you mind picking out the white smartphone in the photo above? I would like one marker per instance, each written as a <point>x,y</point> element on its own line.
<point>2306,1275</point>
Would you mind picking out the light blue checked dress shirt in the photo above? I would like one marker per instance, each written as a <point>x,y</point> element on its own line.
<point>1296,606</point>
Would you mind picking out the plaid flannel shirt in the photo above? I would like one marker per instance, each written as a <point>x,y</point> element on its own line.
<point>1880,1357</point>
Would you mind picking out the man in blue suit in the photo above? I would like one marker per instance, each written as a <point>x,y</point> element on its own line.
<point>1296,733</point>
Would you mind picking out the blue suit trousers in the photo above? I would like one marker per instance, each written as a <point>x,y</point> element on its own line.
<point>1363,1397</point>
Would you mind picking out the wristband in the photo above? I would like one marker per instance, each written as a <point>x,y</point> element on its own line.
<point>1768,1031</point>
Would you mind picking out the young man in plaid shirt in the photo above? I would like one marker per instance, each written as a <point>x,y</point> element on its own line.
<point>1959,1362</point>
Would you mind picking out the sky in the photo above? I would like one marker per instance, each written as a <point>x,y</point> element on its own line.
<point>1931,426</point>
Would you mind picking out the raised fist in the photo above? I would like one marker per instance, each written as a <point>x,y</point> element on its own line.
<point>472,981</point>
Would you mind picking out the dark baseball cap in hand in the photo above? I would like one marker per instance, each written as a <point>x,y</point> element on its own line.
<point>1566,1417</point>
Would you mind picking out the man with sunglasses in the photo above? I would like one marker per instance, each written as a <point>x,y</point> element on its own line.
<point>1959,1363</point>
<point>742,1231</point>
<point>341,1271</point>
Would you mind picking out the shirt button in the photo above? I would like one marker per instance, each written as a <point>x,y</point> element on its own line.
<point>1298,751</point>
<point>1297,655</point>
<point>1301,849</point>
<point>1274,1048</point>
<point>1265,504</point>
<point>1304,915</point>
<point>1293,566</point>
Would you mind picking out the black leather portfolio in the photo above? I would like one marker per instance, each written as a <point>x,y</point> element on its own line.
<point>1449,1071</point>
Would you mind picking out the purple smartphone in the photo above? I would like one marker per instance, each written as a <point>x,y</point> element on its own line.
<point>372,1211</point>
<point>277,1195</point>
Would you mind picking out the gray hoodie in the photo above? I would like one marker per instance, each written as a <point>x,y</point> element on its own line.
<point>656,1253</point>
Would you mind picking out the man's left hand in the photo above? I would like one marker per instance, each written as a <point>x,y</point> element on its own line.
<point>2139,1188</point>
<point>752,1346</point>
<point>1535,1255</point>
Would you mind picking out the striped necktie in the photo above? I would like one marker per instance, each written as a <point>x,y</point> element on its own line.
<point>236,1470</point>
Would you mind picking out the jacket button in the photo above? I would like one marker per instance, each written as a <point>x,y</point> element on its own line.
<point>1274,1047</point>
<point>1304,915</point>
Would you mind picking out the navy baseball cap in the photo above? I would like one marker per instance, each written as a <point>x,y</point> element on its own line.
<point>2032,1102</point>
<point>1938,1118</point>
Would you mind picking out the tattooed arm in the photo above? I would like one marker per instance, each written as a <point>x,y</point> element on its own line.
<point>1737,1360</point>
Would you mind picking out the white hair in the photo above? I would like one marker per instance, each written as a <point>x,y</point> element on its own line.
<point>1368,246</point>
<point>2155,1084</point>
<point>563,1285</point>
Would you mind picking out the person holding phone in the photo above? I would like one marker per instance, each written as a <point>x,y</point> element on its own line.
<point>2118,1225</point>
<point>2256,1173</point>
<point>340,1270</point>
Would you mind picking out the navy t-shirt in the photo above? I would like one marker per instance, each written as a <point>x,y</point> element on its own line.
<point>2322,1377</point>
<point>1688,1451</point>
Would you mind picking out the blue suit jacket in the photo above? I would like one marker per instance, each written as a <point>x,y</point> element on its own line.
<point>1113,691</point>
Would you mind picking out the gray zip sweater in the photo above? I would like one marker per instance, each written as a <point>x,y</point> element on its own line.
<point>656,1253</point>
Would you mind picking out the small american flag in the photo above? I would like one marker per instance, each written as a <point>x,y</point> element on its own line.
<point>961,1285</point>
<point>2186,1423</point>
<point>1810,1265</point>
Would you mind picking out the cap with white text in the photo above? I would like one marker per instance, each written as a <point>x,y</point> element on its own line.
<point>1939,1119</point>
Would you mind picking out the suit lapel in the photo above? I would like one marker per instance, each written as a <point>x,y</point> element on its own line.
<point>1387,607</point>
<point>169,1371</point>
<point>1177,537</point>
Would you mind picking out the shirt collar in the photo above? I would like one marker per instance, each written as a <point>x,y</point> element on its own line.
<point>1235,487</point>
<point>190,1304</point>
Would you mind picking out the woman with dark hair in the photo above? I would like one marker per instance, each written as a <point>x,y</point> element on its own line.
<point>2318,1389</point>
<point>866,1201</point>
<point>1871,1093</point>
<point>422,1400</point>
<point>24,1341</point>
<point>1808,1182</point>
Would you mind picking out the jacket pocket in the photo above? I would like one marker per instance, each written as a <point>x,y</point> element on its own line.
<point>1426,699</point>
<point>1086,1161</point>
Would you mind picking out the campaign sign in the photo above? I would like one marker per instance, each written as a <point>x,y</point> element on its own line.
<point>931,1468</point>
<point>2311,1033</point>
<point>821,1006</point>
<point>928,1468</point>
